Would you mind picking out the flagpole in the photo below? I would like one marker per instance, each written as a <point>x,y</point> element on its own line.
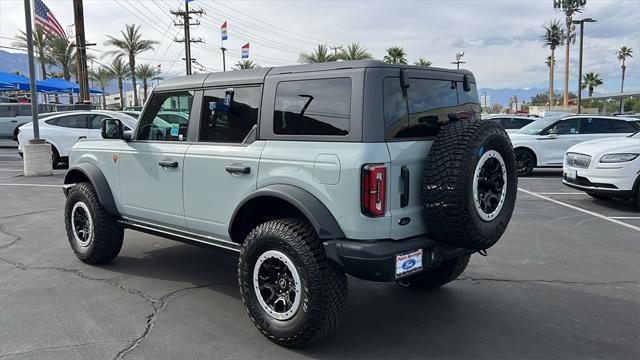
<point>32,71</point>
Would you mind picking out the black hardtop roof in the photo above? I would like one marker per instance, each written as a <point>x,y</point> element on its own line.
<point>255,76</point>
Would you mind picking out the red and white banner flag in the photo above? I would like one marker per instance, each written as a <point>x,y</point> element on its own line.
<point>245,51</point>
<point>223,31</point>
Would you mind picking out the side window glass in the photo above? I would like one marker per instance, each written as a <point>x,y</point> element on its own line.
<point>8,111</point>
<point>432,103</point>
<point>73,121</point>
<point>24,110</point>
<point>96,121</point>
<point>596,126</point>
<point>566,127</point>
<point>166,117</point>
<point>621,126</point>
<point>228,115</point>
<point>469,100</point>
<point>313,107</point>
<point>396,115</point>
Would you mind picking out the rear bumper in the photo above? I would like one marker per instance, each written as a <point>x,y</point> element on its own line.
<point>375,259</point>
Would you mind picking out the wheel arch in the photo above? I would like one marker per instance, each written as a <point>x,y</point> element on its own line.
<point>88,172</point>
<point>281,200</point>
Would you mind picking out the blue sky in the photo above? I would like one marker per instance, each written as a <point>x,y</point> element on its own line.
<point>501,38</point>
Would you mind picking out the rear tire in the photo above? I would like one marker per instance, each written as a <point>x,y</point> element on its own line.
<point>94,234</point>
<point>292,293</point>
<point>525,162</point>
<point>445,273</point>
<point>55,156</point>
<point>469,185</point>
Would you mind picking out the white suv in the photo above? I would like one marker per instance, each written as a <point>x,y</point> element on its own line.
<point>309,172</point>
<point>544,142</point>
<point>605,168</point>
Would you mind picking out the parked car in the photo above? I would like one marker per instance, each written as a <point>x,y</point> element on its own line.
<point>511,123</point>
<point>544,142</point>
<point>13,115</point>
<point>310,172</point>
<point>605,168</point>
<point>62,130</point>
<point>134,114</point>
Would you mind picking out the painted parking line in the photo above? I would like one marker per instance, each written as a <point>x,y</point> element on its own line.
<point>610,219</point>
<point>561,193</point>
<point>34,185</point>
<point>626,217</point>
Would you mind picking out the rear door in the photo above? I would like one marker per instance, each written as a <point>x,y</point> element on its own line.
<point>221,168</point>
<point>65,130</point>
<point>412,120</point>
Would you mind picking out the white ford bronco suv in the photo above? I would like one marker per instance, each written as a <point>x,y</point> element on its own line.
<point>309,172</point>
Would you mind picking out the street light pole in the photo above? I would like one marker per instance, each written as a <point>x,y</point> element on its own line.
<point>581,22</point>
<point>32,71</point>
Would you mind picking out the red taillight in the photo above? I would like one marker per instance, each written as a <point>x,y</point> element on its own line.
<point>374,178</point>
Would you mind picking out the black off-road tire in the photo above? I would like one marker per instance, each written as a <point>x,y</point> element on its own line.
<point>599,196</point>
<point>323,290</point>
<point>106,236</point>
<point>525,162</point>
<point>447,186</point>
<point>443,274</point>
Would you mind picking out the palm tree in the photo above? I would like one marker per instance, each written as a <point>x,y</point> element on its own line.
<point>623,54</point>
<point>120,72</point>
<point>553,37</point>
<point>145,72</point>
<point>61,53</point>
<point>395,55</point>
<point>40,45</point>
<point>102,78</point>
<point>246,64</point>
<point>354,51</point>
<point>129,46</point>
<point>319,55</point>
<point>591,80</point>
<point>423,62</point>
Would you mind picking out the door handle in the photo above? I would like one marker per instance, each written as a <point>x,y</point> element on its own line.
<point>14,121</point>
<point>168,164</point>
<point>404,175</point>
<point>239,169</point>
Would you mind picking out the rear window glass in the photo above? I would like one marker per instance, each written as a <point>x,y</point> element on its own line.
<point>428,105</point>
<point>621,126</point>
<point>516,123</point>
<point>313,107</point>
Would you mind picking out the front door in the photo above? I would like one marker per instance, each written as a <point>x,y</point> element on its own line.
<point>152,164</point>
<point>563,135</point>
<point>221,168</point>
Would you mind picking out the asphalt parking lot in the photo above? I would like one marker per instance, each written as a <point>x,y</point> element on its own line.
<point>562,283</point>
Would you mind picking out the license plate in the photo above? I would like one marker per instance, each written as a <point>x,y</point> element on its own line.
<point>571,174</point>
<point>408,263</point>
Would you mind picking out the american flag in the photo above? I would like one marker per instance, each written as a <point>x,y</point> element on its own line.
<point>44,17</point>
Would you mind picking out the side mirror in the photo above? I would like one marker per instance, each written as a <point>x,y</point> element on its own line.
<point>112,129</point>
<point>466,86</point>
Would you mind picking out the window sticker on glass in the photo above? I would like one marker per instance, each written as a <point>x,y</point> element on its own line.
<point>175,129</point>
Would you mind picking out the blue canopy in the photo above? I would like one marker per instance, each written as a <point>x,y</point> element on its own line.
<point>19,82</point>
<point>66,86</point>
<point>7,86</point>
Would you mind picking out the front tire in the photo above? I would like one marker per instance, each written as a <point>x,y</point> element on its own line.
<point>290,290</point>
<point>445,273</point>
<point>94,234</point>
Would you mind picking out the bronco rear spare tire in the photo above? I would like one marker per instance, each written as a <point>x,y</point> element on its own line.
<point>469,185</point>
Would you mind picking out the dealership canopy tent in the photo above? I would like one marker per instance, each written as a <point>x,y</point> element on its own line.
<point>7,86</point>
<point>66,86</point>
<point>19,82</point>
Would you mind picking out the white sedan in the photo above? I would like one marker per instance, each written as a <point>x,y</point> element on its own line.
<point>62,130</point>
<point>544,142</point>
<point>605,168</point>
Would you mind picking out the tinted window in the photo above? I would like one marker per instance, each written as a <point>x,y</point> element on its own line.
<point>70,121</point>
<point>429,104</point>
<point>516,123</point>
<point>596,126</point>
<point>313,107</point>
<point>96,121</point>
<point>621,126</point>
<point>25,110</point>
<point>8,111</point>
<point>566,127</point>
<point>153,127</point>
<point>231,120</point>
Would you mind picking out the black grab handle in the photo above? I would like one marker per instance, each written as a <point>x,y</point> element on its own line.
<point>404,174</point>
<point>168,164</point>
<point>238,169</point>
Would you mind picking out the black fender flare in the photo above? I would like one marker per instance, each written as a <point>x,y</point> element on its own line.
<point>310,206</point>
<point>99,182</point>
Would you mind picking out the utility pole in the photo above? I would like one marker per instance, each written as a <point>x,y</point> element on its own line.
<point>186,23</point>
<point>335,50</point>
<point>581,22</point>
<point>81,52</point>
